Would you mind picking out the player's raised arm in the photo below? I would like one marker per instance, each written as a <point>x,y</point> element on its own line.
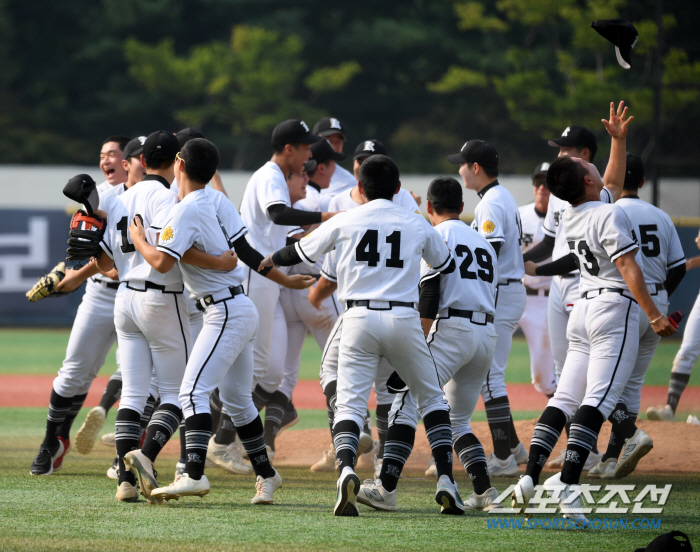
<point>617,126</point>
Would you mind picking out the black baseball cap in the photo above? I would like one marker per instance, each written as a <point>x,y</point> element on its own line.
<point>476,151</point>
<point>329,126</point>
<point>622,34</point>
<point>542,168</point>
<point>634,171</point>
<point>575,136</point>
<point>669,543</point>
<point>186,134</point>
<point>310,165</point>
<point>161,146</point>
<point>369,147</point>
<point>322,151</point>
<point>134,147</point>
<point>292,131</point>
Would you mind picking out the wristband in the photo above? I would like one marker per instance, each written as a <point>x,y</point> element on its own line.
<point>655,321</point>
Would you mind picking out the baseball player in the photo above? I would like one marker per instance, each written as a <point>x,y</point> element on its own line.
<point>457,312</point>
<point>663,265</point>
<point>497,218</point>
<point>603,331</point>
<point>534,319</point>
<point>332,130</point>
<point>378,273</point>
<point>91,338</point>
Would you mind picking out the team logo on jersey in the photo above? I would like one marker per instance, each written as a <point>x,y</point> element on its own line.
<point>168,234</point>
<point>335,123</point>
<point>488,226</point>
<point>302,123</point>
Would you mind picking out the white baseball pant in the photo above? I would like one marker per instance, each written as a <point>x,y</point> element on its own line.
<point>510,305</point>
<point>536,330</point>
<point>563,294</point>
<point>690,346</point>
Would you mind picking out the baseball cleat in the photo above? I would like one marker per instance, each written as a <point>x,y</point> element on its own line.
<point>636,447</point>
<point>365,445</point>
<point>113,471</point>
<point>183,485</point>
<point>265,488</point>
<point>180,469</point>
<point>377,466</point>
<point>226,457</point>
<point>592,460</point>
<point>58,462</point>
<point>289,418</point>
<point>484,502</point>
<point>523,493</point>
<point>327,463</point>
<point>373,494</point>
<point>502,468</point>
<point>661,413</point>
<point>142,467</point>
<point>432,468</point>
<point>520,454</point>
<point>604,469</point>
<point>571,508</point>
<point>558,462</point>
<point>44,460</point>
<point>693,420</point>
<point>109,440</point>
<point>447,496</point>
<point>126,492</point>
<point>87,434</point>
<point>348,488</point>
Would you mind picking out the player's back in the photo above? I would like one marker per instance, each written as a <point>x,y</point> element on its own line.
<point>658,240</point>
<point>228,215</point>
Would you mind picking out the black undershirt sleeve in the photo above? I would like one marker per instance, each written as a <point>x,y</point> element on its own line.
<point>674,277</point>
<point>250,256</point>
<point>429,301</point>
<point>497,246</point>
<point>541,251</point>
<point>287,216</point>
<point>287,256</point>
<point>566,264</point>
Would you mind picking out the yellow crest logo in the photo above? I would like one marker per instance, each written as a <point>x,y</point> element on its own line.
<point>488,226</point>
<point>168,234</point>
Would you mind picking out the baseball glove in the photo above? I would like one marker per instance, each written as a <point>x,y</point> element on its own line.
<point>86,233</point>
<point>47,284</point>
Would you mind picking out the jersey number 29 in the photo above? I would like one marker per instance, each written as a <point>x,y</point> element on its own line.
<point>367,251</point>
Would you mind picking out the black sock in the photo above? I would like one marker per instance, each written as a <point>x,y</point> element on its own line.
<point>127,433</point>
<point>148,411</point>
<point>398,447</point>
<point>623,427</point>
<point>197,434</point>
<point>260,397</point>
<point>473,458</point>
<point>513,435</point>
<point>215,406</point>
<point>164,422</point>
<point>498,416</point>
<point>58,410</point>
<point>111,394</point>
<point>439,430</point>
<point>76,405</point>
<point>544,438</point>
<point>585,428</point>
<point>183,443</point>
<point>226,432</point>
<point>675,389</point>
<point>273,416</point>
<point>382,415</point>
<point>567,427</point>
<point>253,441</point>
<point>346,438</point>
<point>330,393</point>
<point>367,427</point>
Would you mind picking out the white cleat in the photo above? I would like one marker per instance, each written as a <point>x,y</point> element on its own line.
<point>502,468</point>
<point>693,420</point>
<point>570,508</point>
<point>447,496</point>
<point>348,488</point>
<point>558,462</point>
<point>109,440</point>
<point>226,457</point>
<point>432,468</point>
<point>592,460</point>
<point>604,469</point>
<point>520,454</point>
<point>113,471</point>
<point>87,434</point>
<point>265,488</point>
<point>636,447</point>
<point>180,469</point>
<point>141,466</point>
<point>365,461</point>
<point>365,444</point>
<point>183,485</point>
<point>126,492</point>
<point>484,502</point>
<point>661,413</point>
<point>327,463</point>
<point>373,494</point>
<point>522,494</point>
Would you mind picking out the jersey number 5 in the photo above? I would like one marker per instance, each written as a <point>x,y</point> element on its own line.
<point>483,259</point>
<point>651,246</point>
<point>367,251</point>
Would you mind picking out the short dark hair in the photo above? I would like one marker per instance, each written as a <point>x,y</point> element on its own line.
<point>201,159</point>
<point>634,173</point>
<point>312,173</point>
<point>119,139</point>
<point>379,176</point>
<point>445,195</point>
<point>491,172</point>
<point>159,165</point>
<point>565,179</point>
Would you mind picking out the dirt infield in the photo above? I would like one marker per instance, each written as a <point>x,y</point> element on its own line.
<point>34,391</point>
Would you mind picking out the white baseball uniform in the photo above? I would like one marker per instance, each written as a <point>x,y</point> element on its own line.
<point>378,249</point>
<point>603,330</point>
<point>341,181</point>
<point>690,346</point>
<point>497,219</point>
<point>462,340</point>
<point>661,251</point>
<point>534,319</point>
<point>344,201</point>
<point>150,312</point>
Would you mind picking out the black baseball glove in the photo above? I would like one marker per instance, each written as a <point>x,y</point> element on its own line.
<point>86,233</point>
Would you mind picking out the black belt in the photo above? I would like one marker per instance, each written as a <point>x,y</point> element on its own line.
<point>459,313</point>
<point>659,287</point>
<point>509,281</point>
<point>204,302</point>
<point>608,290</point>
<point>569,275</point>
<point>531,291</point>
<point>151,285</point>
<point>108,285</point>
<point>365,303</point>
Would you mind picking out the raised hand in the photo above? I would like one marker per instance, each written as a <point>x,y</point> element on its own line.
<point>619,122</point>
